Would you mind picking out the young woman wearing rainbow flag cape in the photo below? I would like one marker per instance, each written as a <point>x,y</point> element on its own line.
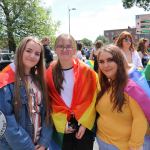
<point>73,88</point>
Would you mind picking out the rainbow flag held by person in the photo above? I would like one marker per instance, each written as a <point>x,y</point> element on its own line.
<point>139,89</point>
<point>83,101</point>
<point>90,63</point>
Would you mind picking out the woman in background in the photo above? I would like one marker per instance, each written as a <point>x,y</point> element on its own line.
<point>143,50</point>
<point>125,42</point>
<point>93,56</point>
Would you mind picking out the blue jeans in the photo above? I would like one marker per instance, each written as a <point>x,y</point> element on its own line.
<point>146,145</point>
<point>104,146</point>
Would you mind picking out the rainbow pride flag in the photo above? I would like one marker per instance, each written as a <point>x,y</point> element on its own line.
<point>90,63</point>
<point>7,75</point>
<point>139,89</point>
<point>83,101</point>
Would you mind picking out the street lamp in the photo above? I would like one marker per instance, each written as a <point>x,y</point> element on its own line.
<point>69,9</point>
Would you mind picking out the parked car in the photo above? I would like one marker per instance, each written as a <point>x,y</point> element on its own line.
<point>5,59</point>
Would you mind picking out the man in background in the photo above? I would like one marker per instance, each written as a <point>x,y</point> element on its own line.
<point>47,51</point>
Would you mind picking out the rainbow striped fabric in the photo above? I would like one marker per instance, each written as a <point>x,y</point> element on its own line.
<point>139,89</point>
<point>90,63</point>
<point>85,90</point>
<point>7,75</point>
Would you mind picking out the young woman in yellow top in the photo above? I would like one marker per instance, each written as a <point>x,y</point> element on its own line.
<point>121,124</point>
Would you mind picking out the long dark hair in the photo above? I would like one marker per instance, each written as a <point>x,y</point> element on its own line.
<point>37,73</point>
<point>117,85</point>
<point>58,76</point>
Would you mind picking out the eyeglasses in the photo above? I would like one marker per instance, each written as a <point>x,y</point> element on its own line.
<point>127,40</point>
<point>61,47</point>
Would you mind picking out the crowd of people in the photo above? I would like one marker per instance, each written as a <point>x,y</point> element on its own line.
<point>63,104</point>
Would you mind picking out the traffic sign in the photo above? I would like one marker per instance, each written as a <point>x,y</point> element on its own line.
<point>143,24</point>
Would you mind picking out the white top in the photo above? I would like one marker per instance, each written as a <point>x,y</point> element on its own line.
<point>68,85</point>
<point>79,55</point>
<point>136,60</point>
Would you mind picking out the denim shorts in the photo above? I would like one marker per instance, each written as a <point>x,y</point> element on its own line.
<point>104,146</point>
<point>146,145</point>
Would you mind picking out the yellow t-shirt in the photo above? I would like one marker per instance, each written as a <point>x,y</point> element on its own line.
<point>122,129</point>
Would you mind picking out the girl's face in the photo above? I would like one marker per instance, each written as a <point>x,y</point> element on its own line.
<point>31,55</point>
<point>65,50</point>
<point>127,42</point>
<point>107,65</point>
<point>146,44</point>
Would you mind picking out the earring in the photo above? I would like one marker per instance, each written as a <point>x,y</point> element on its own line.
<point>36,71</point>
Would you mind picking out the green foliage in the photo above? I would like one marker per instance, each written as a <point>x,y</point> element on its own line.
<point>86,42</point>
<point>103,39</point>
<point>22,18</point>
<point>145,4</point>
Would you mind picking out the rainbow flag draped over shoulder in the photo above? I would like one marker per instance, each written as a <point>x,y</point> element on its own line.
<point>90,63</point>
<point>85,90</point>
<point>7,75</point>
<point>139,90</point>
<point>139,77</point>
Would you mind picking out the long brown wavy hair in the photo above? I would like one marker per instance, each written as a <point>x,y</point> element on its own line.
<point>58,76</point>
<point>141,46</point>
<point>123,35</point>
<point>37,73</point>
<point>118,85</point>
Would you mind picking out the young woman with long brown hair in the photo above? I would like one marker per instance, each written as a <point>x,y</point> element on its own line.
<point>24,101</point>
<point>121,124</point>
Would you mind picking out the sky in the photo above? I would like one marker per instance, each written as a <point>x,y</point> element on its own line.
<point>92,17</point>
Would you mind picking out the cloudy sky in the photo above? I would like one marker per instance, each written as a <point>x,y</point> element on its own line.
<point>92,17</point>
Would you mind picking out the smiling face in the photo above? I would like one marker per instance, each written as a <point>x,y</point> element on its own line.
<point>126,42</point>
<point>107,65</point>
<point>31,55</point>
<point>65,49</point>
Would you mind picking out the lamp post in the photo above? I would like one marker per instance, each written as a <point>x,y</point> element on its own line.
<point>69,9</point>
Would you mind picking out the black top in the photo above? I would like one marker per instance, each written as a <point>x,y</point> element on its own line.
<point>48,54</point>
<point>95,63</point>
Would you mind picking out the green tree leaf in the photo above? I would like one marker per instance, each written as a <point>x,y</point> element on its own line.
<point>20,18</point>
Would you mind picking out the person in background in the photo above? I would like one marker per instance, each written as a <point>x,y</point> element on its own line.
<point>115,37</point>
<point>125,42</point>
<point>121,124</point>
<point>142,49</point>
<point>79,52</point>
<point>93,56</point>
<point>24,101</point>
<point>47,51</point>
<point>73,98</point>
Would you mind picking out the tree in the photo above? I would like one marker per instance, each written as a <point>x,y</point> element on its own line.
<point>86,42</point>
<point>20,18</point>
<point>103,39</point>
<point>139,3</point>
